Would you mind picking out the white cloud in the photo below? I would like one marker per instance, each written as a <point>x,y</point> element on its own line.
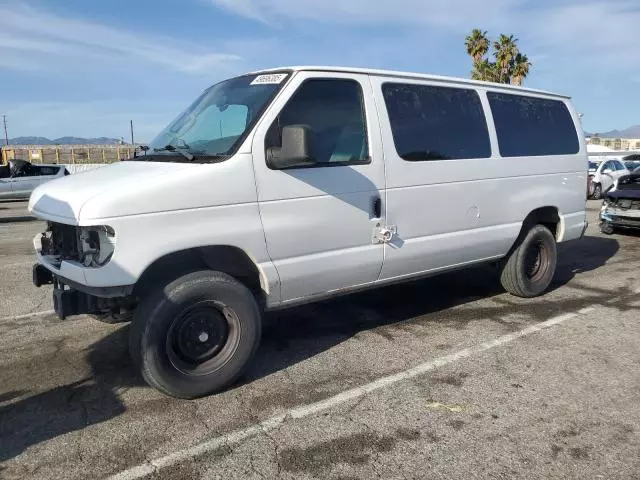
<point>37,35</point>
<point>601,31</point>
<point>592,35</point>
<point>452,14</point>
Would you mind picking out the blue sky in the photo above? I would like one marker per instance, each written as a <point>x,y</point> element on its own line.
<point>85,68</point>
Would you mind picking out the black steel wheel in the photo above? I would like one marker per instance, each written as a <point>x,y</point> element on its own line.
<point>196,335</point>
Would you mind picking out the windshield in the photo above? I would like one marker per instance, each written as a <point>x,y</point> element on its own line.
<point>215,124</point>
<point>593,166</point>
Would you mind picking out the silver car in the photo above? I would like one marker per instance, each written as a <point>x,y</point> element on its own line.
<point>19,178</point>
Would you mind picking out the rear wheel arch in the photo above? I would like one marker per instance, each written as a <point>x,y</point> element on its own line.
<point>548,216</point>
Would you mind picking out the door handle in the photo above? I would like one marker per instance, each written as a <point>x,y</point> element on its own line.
<point>376,207</point>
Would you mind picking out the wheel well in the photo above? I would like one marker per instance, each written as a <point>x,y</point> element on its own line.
<point>223,258</point>
<point>547,216</point>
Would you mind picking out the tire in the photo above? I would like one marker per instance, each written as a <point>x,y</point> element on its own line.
<point>597,191</point>
<point>530,267</point>
<point>607,228</point>
<point>114,318</point>
<point>196,335</point>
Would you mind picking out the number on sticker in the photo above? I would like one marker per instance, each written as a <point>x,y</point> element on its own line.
<point>269,79</point>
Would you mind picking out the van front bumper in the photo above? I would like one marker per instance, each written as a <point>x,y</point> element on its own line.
<point>71,298</point>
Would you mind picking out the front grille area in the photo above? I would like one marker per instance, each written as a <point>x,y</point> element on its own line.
<point>61,241</point>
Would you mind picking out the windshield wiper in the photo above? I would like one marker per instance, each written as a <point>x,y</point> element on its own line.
<point>183,150</point>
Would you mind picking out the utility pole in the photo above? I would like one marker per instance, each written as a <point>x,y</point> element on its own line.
<point>6,135</point>
<point>133,145</point>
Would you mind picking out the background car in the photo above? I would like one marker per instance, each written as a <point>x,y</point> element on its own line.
<point>604,176</point>
<point>19,178</point>
<point>621,205</point>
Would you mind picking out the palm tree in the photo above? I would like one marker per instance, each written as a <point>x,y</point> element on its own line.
<point>505,51</point>
<point>520,69</point>
<point>486,71</point>
<point>477,45</point>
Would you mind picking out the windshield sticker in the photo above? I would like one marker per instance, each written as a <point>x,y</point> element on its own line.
<point>270,79</point>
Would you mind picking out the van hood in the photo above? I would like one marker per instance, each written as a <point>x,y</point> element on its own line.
<point>63,199</point>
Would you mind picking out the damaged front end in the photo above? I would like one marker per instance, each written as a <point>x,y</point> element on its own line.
<point>621,205</point>
<point>85,248</point>
<point>92,247</point>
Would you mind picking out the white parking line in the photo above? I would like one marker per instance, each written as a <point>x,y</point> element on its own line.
<point>238,436</point>
<point>28,315</point>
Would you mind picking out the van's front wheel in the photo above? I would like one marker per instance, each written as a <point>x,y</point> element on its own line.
<point>529,269</point>
<point>196,335</point>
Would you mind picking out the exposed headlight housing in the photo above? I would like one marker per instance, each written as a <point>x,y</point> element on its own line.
<point>96,245</point>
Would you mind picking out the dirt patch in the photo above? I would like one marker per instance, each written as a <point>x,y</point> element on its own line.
<point>355,449</point>
<point>571,431</point>
<point>456,379</point>
<point>579,453</point>
<point>408,433</point>
<point>457,425</point>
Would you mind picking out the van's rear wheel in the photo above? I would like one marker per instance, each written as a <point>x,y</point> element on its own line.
<point>529,269</point>
<point>196,335</point>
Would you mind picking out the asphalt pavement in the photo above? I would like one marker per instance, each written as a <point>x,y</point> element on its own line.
<point>447,377</point>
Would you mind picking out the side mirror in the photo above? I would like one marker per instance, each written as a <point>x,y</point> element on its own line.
<point>606,170</point>
<point>295,150</point>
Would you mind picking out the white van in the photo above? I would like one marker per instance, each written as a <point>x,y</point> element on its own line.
<point>287,186</point>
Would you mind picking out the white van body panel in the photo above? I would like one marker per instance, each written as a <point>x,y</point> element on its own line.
<point>317,221</point>
<point>450,213</point>
<point>310,231</point>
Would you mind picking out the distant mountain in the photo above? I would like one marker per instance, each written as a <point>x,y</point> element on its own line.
<point>63,141</point>
<point>29,141</point>
<point>631,132</point>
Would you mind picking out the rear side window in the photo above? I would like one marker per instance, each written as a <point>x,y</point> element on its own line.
<point>436,123</point>
<point>528,126</point>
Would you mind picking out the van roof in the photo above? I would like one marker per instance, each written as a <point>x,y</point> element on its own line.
<point>411,75</point>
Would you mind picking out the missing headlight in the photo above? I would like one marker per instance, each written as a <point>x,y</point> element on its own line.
<point>96,245</point>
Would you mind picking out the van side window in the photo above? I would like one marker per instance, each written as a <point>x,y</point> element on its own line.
<point>529,126</point>
<point>436,123</point>
<point>334,111</point>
